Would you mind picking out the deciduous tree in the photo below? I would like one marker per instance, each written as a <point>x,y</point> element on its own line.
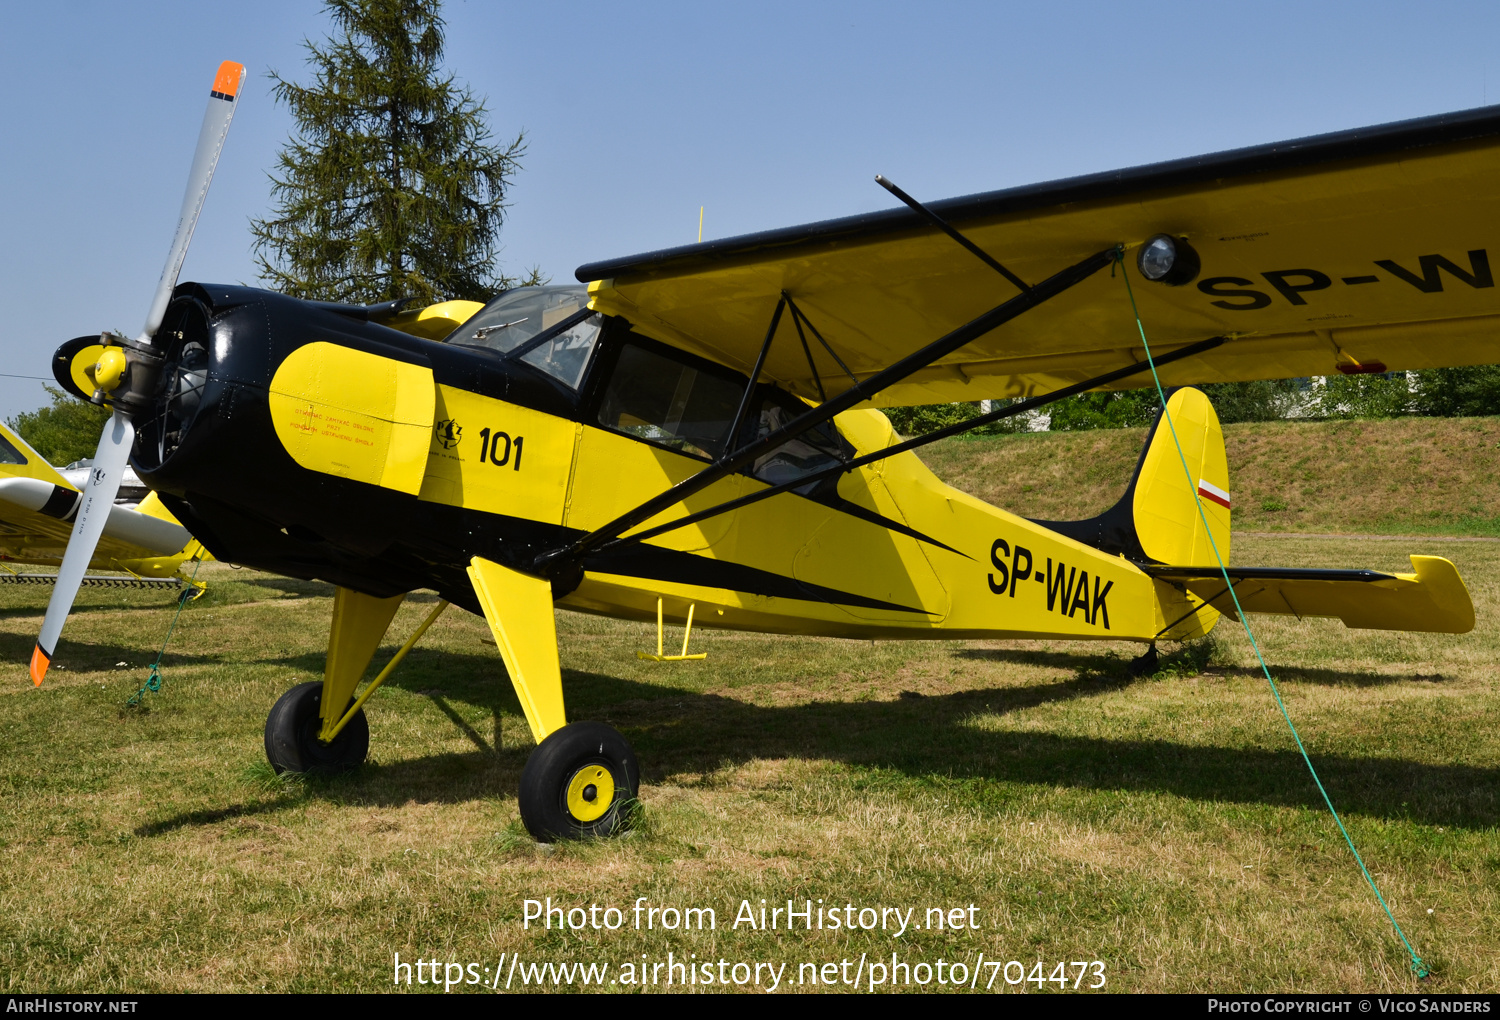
<point>66,430</point>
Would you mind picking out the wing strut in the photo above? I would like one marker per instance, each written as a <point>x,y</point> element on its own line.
<point>555,560</point>
<point>1009,411</point>
<point>760,362</point>
<point>799,317</point>
<point>812,365</point>
<point>952,232</point>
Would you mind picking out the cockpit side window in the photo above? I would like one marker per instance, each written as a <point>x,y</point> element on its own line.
<point>566,354</point>
<point>8,452</point>
<point>655,394</point>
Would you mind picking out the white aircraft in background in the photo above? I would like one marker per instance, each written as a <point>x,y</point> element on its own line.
<point>142,544</point>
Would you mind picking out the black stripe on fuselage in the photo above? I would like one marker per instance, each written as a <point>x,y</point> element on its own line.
<point>657,564</point>
<point>855,510</point>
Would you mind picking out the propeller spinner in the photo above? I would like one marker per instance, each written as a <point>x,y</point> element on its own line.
<point>125,374</point>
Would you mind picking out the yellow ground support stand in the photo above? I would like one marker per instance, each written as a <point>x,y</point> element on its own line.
<point>660,637</point>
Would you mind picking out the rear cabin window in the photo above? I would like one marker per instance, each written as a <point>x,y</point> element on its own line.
<point>816,449</point>
<point>657,397</point>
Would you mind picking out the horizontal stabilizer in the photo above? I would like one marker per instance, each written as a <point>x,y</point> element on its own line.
<point>1432,599</point>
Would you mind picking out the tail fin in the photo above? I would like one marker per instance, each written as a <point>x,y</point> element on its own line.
<point>1158,520</point>
<point>1158,525</point>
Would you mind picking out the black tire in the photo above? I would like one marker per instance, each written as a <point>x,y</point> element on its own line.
<point>292,743</point>
<point>578,756</point>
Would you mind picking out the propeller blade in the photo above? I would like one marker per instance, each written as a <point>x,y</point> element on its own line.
<point>93,511</point>
<point>221,103</point>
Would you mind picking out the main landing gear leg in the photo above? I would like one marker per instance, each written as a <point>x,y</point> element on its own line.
<point>299,729</point>
<point>582,778</point>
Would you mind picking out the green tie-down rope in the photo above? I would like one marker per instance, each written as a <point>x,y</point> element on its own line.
<point>153,682</point>
<point>1417,965</point>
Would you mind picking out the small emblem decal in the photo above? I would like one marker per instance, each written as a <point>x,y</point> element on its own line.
<point>449,433</point>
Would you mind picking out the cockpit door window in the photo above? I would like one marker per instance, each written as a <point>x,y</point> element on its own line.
<point>816,449</point>
<point>654,396</point>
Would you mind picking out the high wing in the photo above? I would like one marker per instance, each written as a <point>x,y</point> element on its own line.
<point>1364,250</point>
<point>37,505</point>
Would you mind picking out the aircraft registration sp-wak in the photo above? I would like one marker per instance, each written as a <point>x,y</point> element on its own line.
<point>142,545</point>
<point>698,425</point>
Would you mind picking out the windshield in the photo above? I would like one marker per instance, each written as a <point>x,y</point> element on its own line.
<point>518,315</point>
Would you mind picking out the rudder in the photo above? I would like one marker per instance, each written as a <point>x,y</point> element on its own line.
<point>1166,500</point>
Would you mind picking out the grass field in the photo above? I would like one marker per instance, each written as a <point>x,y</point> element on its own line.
<point>1165,825</point>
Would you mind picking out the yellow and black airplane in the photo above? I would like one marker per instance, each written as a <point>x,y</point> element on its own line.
<point>142,544</point>
<point>699,425</point>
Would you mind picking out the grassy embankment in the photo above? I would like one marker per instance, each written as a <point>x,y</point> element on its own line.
<point>1435,476</point>
<point>1165,826</point>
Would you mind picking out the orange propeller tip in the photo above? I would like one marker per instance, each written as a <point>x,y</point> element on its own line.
<point>40,660</point>
<point>227,81</point>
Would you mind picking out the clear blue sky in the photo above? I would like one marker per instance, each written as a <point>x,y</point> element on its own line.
<point>767,114</point>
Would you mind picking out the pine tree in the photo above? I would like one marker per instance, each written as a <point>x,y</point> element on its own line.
<point>390,186</point>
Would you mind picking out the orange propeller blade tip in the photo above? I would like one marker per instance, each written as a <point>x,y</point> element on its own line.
<point>227,81</point>
<point>40,660</point>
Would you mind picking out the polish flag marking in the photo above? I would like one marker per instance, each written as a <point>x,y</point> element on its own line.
<point>1210,491</point>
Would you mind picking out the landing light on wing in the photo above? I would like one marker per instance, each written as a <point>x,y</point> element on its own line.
<point>1167,259</point>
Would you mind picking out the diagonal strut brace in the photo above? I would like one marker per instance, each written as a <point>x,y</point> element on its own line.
<point>557,560</point>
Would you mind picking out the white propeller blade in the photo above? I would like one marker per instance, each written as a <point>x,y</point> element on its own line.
<point>93,511</point>
<point>119,434</point>
<point>221,103</point>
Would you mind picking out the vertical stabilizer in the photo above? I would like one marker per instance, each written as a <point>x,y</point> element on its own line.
<point>1166,498</point>
<point>1157,520</point>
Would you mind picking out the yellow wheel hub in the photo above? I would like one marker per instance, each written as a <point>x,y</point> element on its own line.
<point>590,793</point>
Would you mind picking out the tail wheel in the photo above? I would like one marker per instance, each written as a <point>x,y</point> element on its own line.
<point>292,743</point>
<point>580,782</point>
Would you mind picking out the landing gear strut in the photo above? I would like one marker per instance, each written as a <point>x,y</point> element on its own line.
<point>580,782</point>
